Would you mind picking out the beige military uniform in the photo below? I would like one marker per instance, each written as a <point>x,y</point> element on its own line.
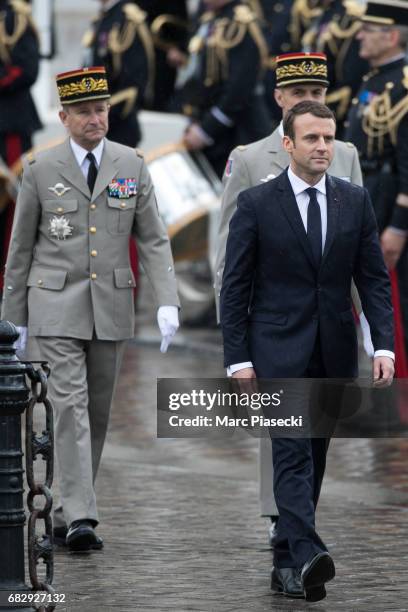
<point>69,280</point>
<point>249,166</point>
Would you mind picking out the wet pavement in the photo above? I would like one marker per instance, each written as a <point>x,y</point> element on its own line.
<point>180,518</point>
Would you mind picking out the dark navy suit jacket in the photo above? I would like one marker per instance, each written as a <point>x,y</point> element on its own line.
<point>274,301</point>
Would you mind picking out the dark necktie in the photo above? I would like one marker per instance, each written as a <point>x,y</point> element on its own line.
<point>314,225</point>
<point>92,171</point>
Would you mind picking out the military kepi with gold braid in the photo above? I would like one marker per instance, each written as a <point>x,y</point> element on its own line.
<point>82,85</point>
<point>391,13</point>
<point>297,68</point>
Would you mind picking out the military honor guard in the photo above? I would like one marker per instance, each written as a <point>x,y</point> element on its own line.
<point>222,84</point>
<point>299,76</point>
<point>120,39</point>
<point>19,64</point>
<point>170,29</point>
<point>334,33</point>
<point>70,283</point>
<point>378,126</point>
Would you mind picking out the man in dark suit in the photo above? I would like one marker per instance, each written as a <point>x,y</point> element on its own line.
<point>294,245</point>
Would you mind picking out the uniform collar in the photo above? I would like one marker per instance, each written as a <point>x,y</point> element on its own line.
<point>393,62</point>
<point>80,153</point>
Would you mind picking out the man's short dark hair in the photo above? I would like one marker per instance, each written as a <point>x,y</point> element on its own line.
<point>302,108</point>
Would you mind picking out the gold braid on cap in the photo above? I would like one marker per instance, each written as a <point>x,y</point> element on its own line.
<point>120,41</point>
<point>381,118</point>
<point>306,68</point>
<point>22,21</point>
<point>85,85</point>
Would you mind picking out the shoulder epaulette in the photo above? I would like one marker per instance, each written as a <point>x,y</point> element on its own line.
<point>241,147</point>
<point>139,153</point>
<point>134,13</point>
<point>21,7</point>
<point>354,8</point>
<point>350,144</point>
<point>243,14</point>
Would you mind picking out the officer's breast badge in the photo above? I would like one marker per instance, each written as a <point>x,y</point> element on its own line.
<point>60,228</point>
<point>122,188</point>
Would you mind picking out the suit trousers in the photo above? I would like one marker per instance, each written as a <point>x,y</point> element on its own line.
<point>81,388</point>
<point>299,465</point>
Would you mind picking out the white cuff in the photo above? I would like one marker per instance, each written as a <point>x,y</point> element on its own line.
<point>384,353</point>
<point>238,366</point>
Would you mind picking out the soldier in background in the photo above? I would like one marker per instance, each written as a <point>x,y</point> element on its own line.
<point>333,33</point>
<point>169,26</point>
<point>120,39</point>
<point>378,126</point>
<point>223,93</point>
<point>19,63</point>
<point>275,15</point>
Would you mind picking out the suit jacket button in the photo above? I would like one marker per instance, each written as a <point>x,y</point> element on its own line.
<point>122,205</point>
<point>39,282</point>
<point>129,282</point>
<point>92,230</point>
<point>93,206</point>
<point>94,276</point>
<point>94,253</point>
<point>60,209</point>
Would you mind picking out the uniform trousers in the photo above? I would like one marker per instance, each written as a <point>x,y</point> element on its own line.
<point>81,388</point>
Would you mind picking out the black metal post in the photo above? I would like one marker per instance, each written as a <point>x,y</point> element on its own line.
<point>14,395</point>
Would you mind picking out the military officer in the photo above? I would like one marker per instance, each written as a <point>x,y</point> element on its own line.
<point>120,39</point>
<point>333,33</point>
<point>299,76</point>
<point>69,281</point>
<point>378,125</point>
<point>223,93</point>
<point>19,63</point>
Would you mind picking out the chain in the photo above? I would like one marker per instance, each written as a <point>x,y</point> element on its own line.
<point>40,547</point>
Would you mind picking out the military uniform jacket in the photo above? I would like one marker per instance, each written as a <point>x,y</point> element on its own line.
<point>378,126</point>
<point>260,162</point>
<point>228,55</point>
<point>19,62</point>
<point>121,41</point>
<point>68,270</point>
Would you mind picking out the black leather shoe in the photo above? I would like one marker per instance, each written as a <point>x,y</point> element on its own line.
<point>81,536</point>
<point>286,580</point>
<point>314,574</point>
<point>60,538</point>
<point>273,531</point>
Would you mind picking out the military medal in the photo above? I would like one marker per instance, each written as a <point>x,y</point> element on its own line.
<point>60,228</point>
<point>122,188</point>
<point>59,189</point>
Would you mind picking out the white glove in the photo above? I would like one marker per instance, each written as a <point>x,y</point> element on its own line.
<point>367,343</point>
<point>21,343</point>
<point>168,321</point>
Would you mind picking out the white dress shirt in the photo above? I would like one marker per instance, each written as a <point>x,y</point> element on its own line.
<point>302,199</point>
<point>80,155</point>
